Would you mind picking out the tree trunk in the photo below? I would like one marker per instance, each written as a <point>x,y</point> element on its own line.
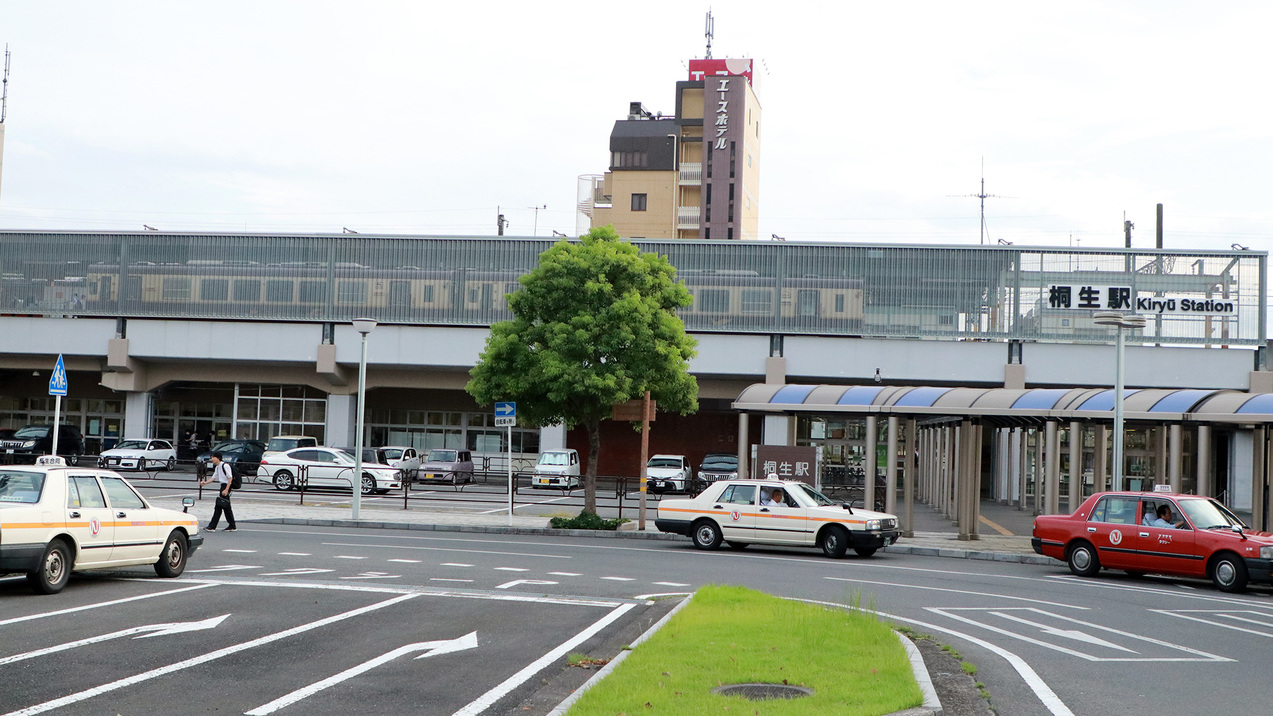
<point>594,454</point>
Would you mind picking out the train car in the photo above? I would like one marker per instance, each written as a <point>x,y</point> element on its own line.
<point>744,300</point>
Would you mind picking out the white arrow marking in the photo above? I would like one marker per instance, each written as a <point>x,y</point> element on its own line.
<point>158,629</point>
<point>295,571</point>
<point>515,582</point>
<point>1066,633</point>
<point>226,568</point>
<point>430,648</point>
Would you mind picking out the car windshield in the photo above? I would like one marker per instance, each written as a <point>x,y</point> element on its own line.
<point>392,453</point>
<point>672,462</point>
<point>21,486</point>
<point>817,497</point>
<point>33,431</point>
<point>131,445</point>
<point>441,456</point>
<point>554,458</point>
<point>1209,514</point>
<point>230,447</point>
<point>368,455</point>
<point>720,462</point>
<point>281,444</point>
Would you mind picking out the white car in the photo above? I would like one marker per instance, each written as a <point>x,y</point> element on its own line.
<point>139,454</point>
<point>325,467</point>
<point>56,519</point>
<point>557,468</point>
<point>777,512</point>
<point>403,458</point>
<point>667,473</point>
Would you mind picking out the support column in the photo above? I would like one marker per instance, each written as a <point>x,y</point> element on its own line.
<point>137,417</point>
<point>1051,469</point>
<point>1160,456</point>
<point>1202,458</point>
<point>1040,470</point>
<point>1076,467</point>
<point>869,493</point>
<point>1176,456</point>
<point>974,482</point>
<point>890,468</point>
<point>744,446</point>
<point>950,474</point>
<point>342,419</point>
<point>1018,468</point>
<point>909,468</point>
<point>1003,472</point>
<point>1259,450</point>
<point>1100,458</point>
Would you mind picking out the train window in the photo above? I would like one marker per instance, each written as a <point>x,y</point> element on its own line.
<point>278,291</point>
<point>807,302</point>
<point>713,300</point>
<point>313,291</point>
<point>428,294</point>
<point>757,300</point>
<point>247,290</point>
<point>176,289</point>
<point>399,293</point>
<point>351,292</point>
<point>839,303</point>
<point>134,289</point>
<point>214,289</point>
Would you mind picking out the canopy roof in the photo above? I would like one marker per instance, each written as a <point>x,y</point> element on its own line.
<point>1010,406</point>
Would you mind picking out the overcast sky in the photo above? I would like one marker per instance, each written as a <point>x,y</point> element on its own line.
<point>424,117</point>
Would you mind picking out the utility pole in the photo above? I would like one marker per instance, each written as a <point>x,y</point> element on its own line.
<point>535,229</point>
<point>1127,231</point>
<point>500,222</point>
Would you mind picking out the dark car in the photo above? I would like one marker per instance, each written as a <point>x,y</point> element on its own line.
<point>32,441</point>
<point>245,454</point>
<point>718,466</point>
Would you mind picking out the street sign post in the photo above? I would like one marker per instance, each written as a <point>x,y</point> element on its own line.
<point>506,417</point>
<point>57,388</point>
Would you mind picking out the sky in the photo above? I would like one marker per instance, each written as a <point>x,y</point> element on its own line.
<point>432,118</point>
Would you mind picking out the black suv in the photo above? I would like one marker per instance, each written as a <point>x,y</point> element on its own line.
<point>32,441</point>
<point>246,454</point>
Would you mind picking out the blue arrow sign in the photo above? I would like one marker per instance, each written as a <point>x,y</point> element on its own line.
<point>501,409</point>
<point>57,381</point>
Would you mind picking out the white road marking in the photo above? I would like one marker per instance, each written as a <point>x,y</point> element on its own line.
<point>566,574</point>
<point>958,591</point>
<point>444,549</point>
<point>295,554</point>
<point>620,579</point>
<point>512,569</point>
<point>455,564</point>
<point>375,575</point>
<point>515,582</point>
<point>205,658</point>
<point>526,504</point>
<point>295,571</point>
<point>225,568</point>
<point>1217,614</point>
<point>485,701</point>
<point>347,556</point>
<point>406,561</point>
<point>1066,633</point>
<point>244,551</point>
<point>671,584</point>
<point>448,579</point>
<point>430,648</point>
<point>139,631</point>
<point>111,603</point>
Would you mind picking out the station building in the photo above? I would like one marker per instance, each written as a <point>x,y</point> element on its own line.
<point>984,364</point>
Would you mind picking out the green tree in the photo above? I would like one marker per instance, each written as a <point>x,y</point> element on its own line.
<point>594,324</point>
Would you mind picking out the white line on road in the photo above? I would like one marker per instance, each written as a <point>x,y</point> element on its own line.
<point>455,564</point>
<point>225,568</point>
<point>957,591</point>
<point>515,582</point>
<point>156,629</point>
<point>295,554</point>
<point>111,603</point>
<point>369,575</point>
<point>448,579</point>
<point>295,571</point>
<point>405,561</point>
<point>512,569</point>
<point>347,556</point>
<point>526,504</point>
<point>444,549</point>
<point>671,584</point>
<point>566,574</point>
<point>485,701</point>
<point>620,579</point>
<point>244,551</point>
<point>205,658</point>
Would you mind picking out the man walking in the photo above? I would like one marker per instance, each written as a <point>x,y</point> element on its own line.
<point>221,474</point>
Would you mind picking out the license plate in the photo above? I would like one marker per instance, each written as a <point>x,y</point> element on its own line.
<point>428,476</point>
<point>9,451</point>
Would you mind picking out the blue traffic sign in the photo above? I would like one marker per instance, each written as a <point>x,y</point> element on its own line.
<point>57,381</point>
<point>506,410</point>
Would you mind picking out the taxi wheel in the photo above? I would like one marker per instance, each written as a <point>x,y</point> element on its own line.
<point>283,480</point>
<point>834,542</point>
<point>172,464</point>
<point>368,484</point>
<point>1083,560</point>
<point>54,571</point>
<point>706,535</point>
<point>172,561</point>
<point>1229,574</point>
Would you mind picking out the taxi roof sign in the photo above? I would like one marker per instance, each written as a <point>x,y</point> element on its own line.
<point>51,461</point>
<point>1162,488</point>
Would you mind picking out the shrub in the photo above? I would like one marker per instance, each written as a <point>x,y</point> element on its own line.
<point>586,521</point>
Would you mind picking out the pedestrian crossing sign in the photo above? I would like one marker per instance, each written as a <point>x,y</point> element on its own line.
<point>57,381</point>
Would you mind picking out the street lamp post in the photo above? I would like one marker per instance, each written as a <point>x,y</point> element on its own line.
<point>363,326</point>
<point>1119,321</point>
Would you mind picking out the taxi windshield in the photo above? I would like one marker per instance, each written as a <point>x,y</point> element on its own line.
<point>21,486</point>
<point>1209,514</point>
<point>131,445</point>
<point>817,497</point>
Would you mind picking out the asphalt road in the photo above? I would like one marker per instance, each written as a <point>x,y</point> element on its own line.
<point>1045,642</point>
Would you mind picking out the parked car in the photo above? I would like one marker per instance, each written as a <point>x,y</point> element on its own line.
<point>281,443</point>
<point>1117,530</point>
<point>740,512</point>
<point>718,466</point>
<point>403,458</point>
<point>325,467</point>
<point>557,468</point>
<point>668,473</point>
<point>57,520</point>
<point>139,454</point>
<point>32,441</point>
<point>245,455</point>
<point>383,456</point>
<point>446,465</point>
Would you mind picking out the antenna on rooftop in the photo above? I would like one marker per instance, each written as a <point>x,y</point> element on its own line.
<point>709,31</point>
<point>4,93</point>
<point>985,233</point>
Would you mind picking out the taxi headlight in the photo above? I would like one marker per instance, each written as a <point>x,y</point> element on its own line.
<point>872,524</point>
<point>1266,552</point>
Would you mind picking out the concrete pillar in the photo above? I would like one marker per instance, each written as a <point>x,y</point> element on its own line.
<point>1202,458</point>
<point>974,482</point>
<point>552,437</point>
<point>775,430</point>
<point>138,419</point>
<point>949,471</point>
<point>1040,470</point>
<point>890,468</point>
<point>1003,472</point>
<point>1076,467</point>
<point>1259,451</point>
<point>342,420</point>
<point>1100,458</point>
<point>1175,455</point>
<point>909,468</point>
<point>744,446</point>
<point>1160,452</point>
<point>1051,469</point>
<point>870,494</point>
<point>1017,448</point>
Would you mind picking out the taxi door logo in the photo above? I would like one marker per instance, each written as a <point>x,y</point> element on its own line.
<point>1115,537</point>
<point>94,526</point>
<point>736,515</point>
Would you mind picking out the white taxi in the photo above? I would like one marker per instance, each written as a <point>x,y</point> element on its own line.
<point>775,512</point>
<point>55,519</point>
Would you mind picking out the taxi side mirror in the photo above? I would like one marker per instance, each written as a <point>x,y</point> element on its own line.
<point>1237,529</point>
<point>187,503</point>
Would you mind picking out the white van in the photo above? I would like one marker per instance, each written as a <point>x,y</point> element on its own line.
<point>557,468</point>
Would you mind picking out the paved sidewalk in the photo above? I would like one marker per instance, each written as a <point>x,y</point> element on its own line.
<point>931,542</point>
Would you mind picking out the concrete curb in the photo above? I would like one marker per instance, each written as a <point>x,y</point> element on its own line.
<point>971,554</point>
<point>932,704</point>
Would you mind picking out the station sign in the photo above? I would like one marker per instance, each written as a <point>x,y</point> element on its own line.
<point>1125,298</point>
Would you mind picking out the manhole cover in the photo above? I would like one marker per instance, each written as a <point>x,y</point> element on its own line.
<point>761,692</point>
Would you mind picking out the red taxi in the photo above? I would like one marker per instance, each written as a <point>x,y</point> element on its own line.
<point>1160,533</point>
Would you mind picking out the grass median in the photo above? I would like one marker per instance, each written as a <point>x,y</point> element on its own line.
<point>854,663</point>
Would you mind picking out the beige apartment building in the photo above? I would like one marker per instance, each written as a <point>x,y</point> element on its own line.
<point>691,175</point>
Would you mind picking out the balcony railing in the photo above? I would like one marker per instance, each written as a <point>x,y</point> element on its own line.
<point>687,217</point>
<point>691,173</point>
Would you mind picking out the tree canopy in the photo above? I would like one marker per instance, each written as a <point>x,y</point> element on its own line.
<point>593,324</point>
